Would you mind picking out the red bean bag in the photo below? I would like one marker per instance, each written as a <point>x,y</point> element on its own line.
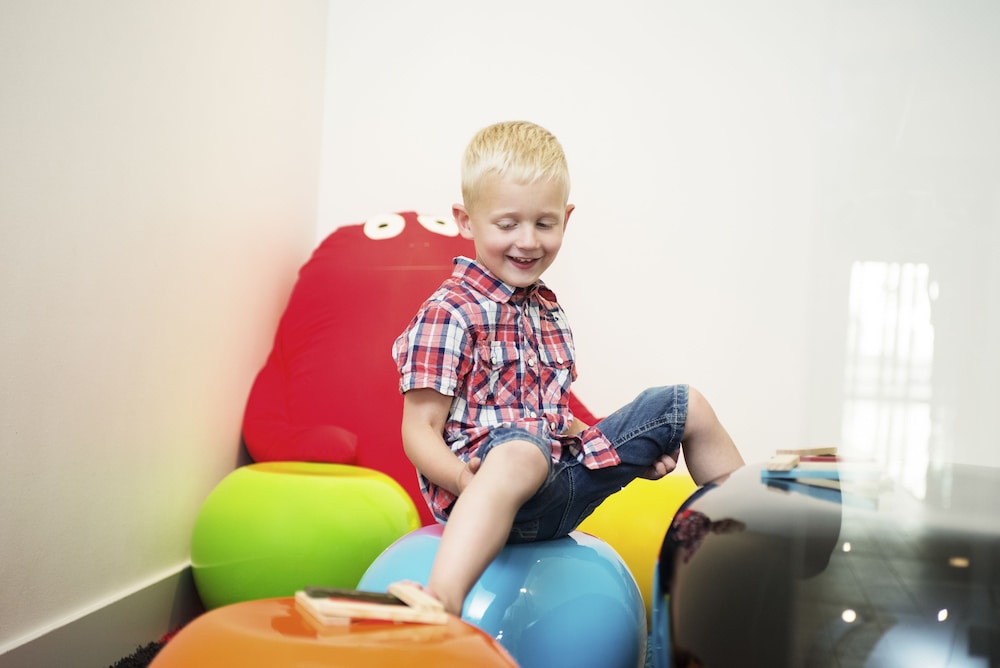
<point>329,391</point>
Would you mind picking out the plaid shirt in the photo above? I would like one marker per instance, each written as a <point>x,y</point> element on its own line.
<point>506,356</point>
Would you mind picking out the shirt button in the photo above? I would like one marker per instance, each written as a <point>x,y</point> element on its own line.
<point>531,362</point>
<point>559,360</point>
<point>534,414</point>
<point>553,426</point>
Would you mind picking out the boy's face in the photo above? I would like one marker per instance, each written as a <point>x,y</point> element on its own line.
<point>517,228</point>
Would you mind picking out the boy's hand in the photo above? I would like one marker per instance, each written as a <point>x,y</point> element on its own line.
<point>661,467</point>
<point>467,473</point>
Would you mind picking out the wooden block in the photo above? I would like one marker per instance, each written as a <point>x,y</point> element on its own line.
<point>347,605</point>
<point>808,452</point>
<point>353,595</point>
<point>414,596</point>
<point>782,462</point>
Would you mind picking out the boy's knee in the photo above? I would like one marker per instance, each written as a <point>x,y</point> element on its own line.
<point>696,400</point>
<point>700,413</point>
<point>520,455</point>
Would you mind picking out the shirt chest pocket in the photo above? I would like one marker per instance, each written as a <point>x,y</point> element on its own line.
<point>556,374</point>
<point>495,375</point>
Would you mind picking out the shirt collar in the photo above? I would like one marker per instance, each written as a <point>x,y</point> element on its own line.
<point>480,279</point>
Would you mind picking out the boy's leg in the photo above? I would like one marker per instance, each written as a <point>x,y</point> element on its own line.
<point>662,419</point>
<point>709,451</point>
<point>481,518</point>
<point>654,424</point>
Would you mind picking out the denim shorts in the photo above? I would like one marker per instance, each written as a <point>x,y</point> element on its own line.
<point>650,426</point>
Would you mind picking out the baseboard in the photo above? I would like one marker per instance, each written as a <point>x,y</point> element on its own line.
<point>115,631</point>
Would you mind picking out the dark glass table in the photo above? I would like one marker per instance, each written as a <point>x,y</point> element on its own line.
<point>854,571</point>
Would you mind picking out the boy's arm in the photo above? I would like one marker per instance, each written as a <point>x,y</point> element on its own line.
<point>425,412</point>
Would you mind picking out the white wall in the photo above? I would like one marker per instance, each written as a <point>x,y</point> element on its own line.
<point>158,189</point>
<point>731,161</point>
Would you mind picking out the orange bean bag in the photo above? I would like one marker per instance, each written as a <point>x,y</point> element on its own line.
<point>273,632</point>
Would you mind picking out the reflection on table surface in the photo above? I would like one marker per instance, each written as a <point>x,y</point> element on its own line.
<point>854,571</point>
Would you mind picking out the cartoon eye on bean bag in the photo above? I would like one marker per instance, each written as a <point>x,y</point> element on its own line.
<point>329,391</point>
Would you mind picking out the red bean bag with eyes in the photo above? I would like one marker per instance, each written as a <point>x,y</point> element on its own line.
<point>329,391</point>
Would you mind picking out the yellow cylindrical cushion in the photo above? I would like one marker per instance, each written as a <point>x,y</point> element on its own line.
<point>635,520</point>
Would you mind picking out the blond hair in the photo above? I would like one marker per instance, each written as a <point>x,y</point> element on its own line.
<point>519,150</point>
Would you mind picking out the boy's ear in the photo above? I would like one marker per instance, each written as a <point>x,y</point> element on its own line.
<point>461,216</point>
<point>569,209</point>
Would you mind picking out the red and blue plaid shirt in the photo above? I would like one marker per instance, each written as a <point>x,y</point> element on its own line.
<point>506,356</point>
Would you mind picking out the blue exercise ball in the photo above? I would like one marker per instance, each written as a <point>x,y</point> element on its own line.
<point>565,602</point>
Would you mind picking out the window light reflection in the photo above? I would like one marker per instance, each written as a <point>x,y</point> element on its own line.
<point>889,361</point>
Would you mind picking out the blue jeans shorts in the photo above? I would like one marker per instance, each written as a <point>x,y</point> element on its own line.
<point>650,426</point>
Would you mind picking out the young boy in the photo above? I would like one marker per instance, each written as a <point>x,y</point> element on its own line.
<point>486,366</point>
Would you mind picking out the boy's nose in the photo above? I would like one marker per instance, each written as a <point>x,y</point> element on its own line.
<point>528,238</point>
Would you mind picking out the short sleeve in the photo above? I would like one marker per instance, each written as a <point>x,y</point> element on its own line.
<point>434,351</point>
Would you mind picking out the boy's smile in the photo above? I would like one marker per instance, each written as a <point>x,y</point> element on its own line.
<point>517,227</point>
